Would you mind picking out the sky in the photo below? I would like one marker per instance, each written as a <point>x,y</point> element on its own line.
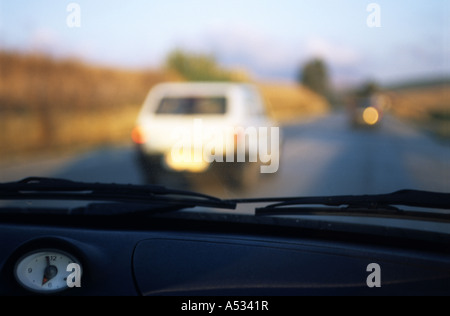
<point>388,41</point>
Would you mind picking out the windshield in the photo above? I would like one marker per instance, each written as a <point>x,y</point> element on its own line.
<point>325,98</point>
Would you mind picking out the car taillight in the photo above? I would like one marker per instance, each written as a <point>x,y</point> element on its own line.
<point>137,135</point>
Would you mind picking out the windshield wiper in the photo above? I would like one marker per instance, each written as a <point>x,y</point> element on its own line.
<point>379,205</point>
<point>156,197</point>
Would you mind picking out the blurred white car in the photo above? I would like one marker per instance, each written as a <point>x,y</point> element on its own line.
<point>188,127</point>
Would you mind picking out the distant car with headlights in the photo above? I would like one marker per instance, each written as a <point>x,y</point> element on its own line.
<point>367,111</point>
<point>189,127</point>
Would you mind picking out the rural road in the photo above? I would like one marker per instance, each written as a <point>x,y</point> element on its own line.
<point>323,157</point>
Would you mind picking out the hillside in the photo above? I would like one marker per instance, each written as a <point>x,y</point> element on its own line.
<point>423,103</point>
<point>289,102</point>
<point>58,105</point>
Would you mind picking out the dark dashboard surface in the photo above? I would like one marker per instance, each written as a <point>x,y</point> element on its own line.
<point>184,257</point>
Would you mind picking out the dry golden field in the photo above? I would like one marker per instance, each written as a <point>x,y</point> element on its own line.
<point>427,107</point>
<point>288,102</point>
<point>48,105</point>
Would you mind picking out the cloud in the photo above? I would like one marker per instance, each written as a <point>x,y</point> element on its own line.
<point>406,61</point>
<point>44,40</point>
<point>53,43</point>
<point>243,47</point>
<point>337,54</point>
<point>268,57</point>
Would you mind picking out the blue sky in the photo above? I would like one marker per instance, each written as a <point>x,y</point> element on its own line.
<point>269,38</point>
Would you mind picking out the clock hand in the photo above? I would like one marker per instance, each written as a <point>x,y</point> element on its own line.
<point>50,271</point>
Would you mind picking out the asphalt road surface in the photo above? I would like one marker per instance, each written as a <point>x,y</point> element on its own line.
<point>323,157</point>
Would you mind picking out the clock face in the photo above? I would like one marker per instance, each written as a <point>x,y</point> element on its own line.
<point>46,271</point>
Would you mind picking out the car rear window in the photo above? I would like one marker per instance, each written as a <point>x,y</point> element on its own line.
<point>192,105</point>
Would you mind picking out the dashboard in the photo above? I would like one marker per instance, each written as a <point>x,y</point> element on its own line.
<point>183,257</point>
